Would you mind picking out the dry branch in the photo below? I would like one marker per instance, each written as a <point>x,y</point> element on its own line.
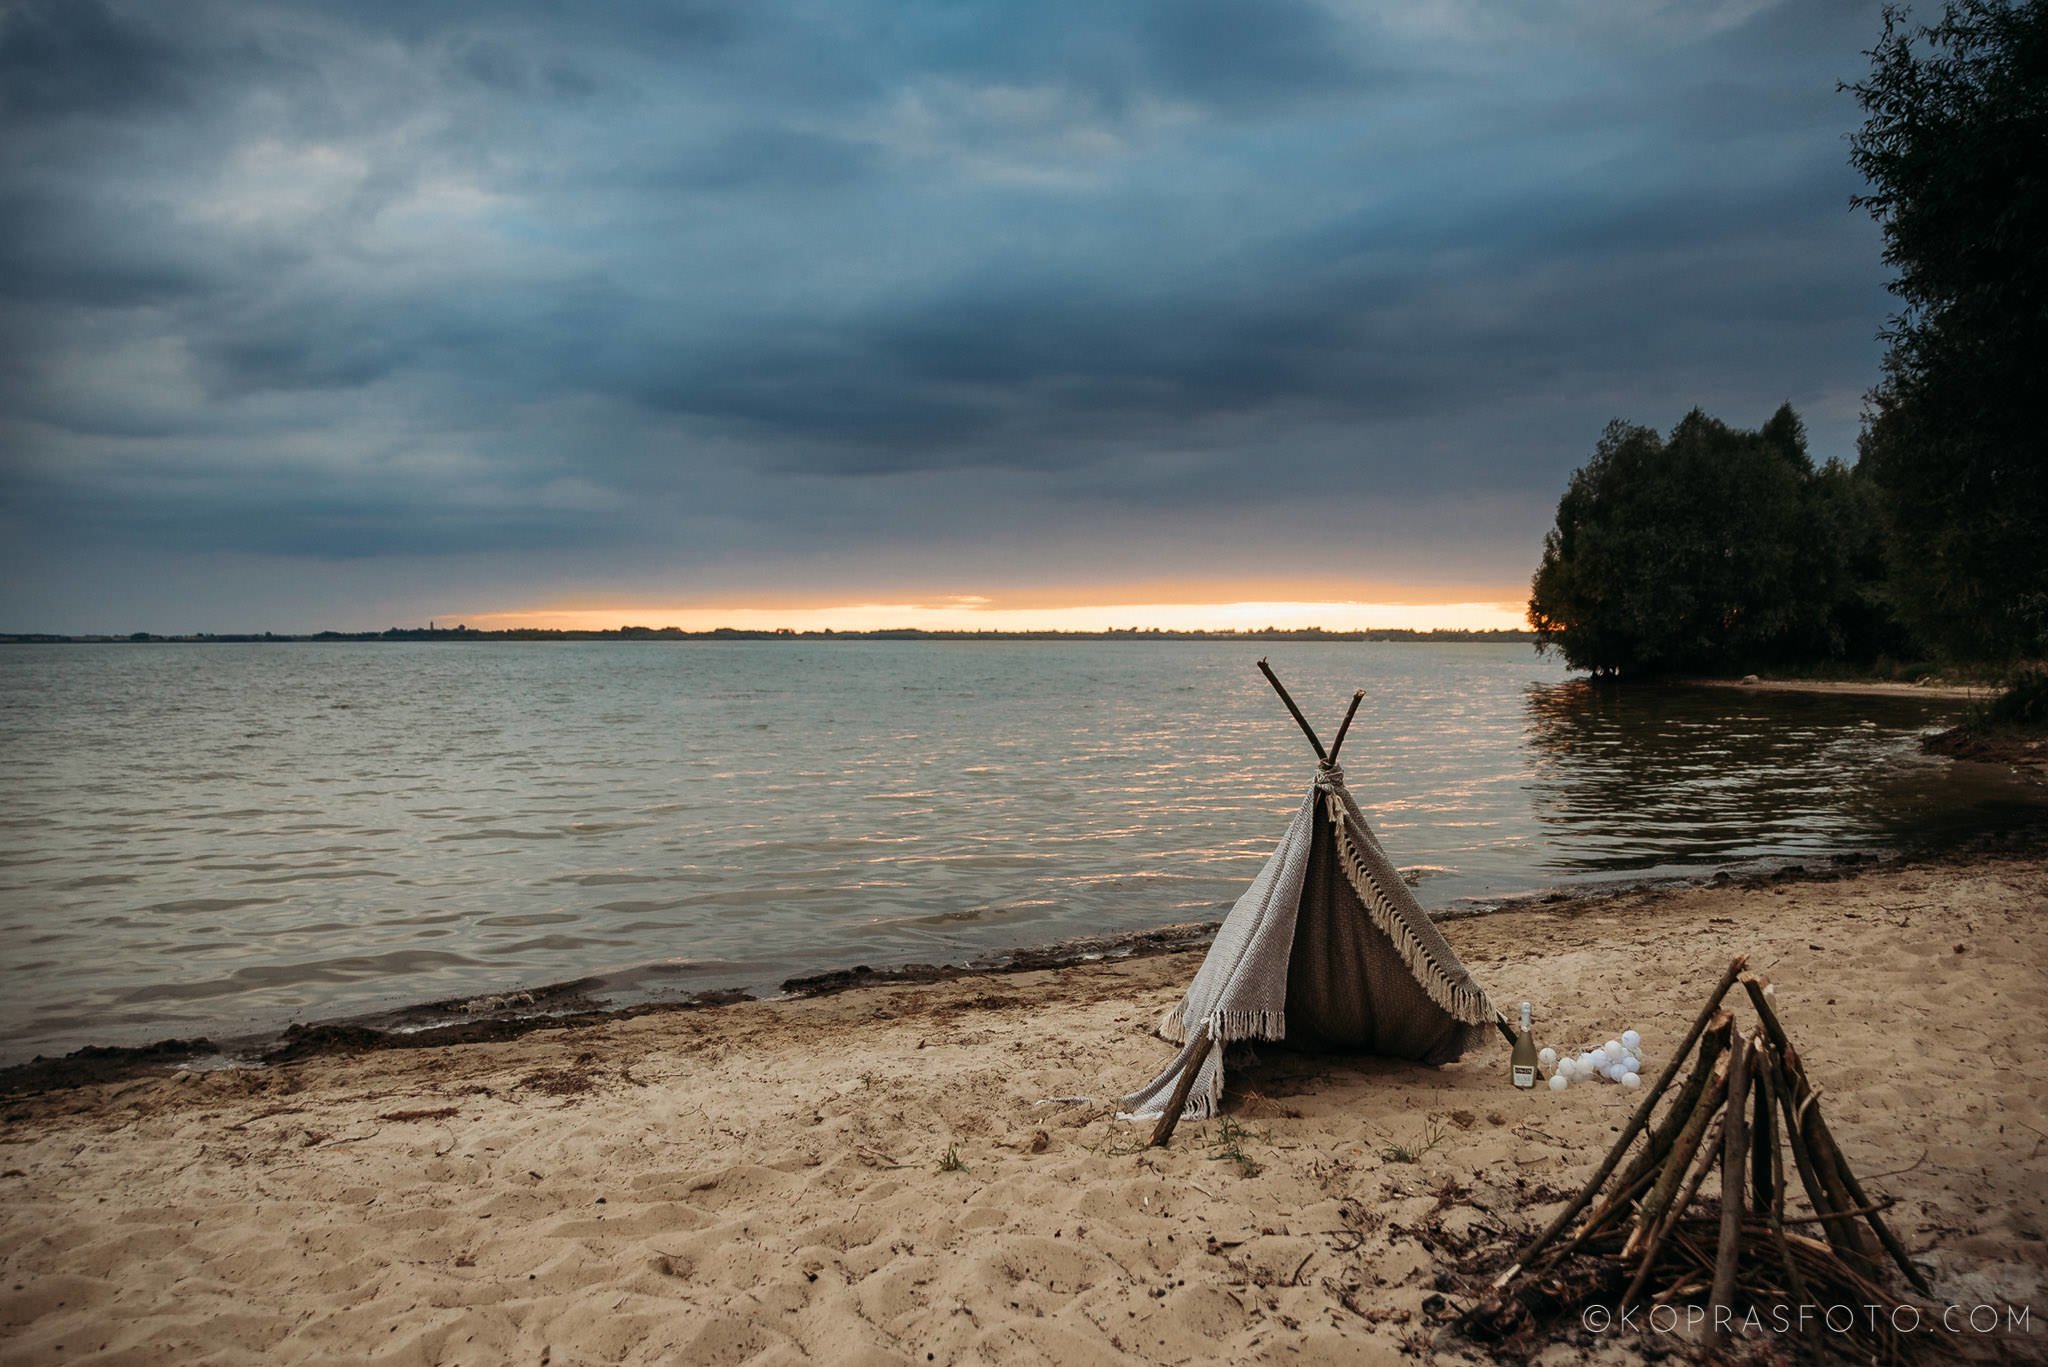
<point>1198,1053</point>
<point>1745,1103</point>
<point>1679,1160</point>
<point>1295,712</point>
<point>1635,1123</point>
<point>1734,1165</point>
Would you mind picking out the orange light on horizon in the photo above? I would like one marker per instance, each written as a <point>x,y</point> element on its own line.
<point>984,614</point>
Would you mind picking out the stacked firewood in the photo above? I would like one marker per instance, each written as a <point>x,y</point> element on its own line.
<point>1642,1225</point>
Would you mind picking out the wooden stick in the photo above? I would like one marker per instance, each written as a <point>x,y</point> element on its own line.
<point>1802,1155</point>
<point>1299,720</point>
<point>1707,1155</point>
<point>1869,1210</point>
<point>1816,1168</point>
<point>1828,1165</point>
<point>1676,1163</point>
<point>1601,1220</point>
<point>1604,1217</point>
<point>1847,1192</point>
<point>1768,1085</point>
<point>1349,712</point>
<point>1713,1042</point>
<point>1885,1204</point>
<point>1167,1122</point>
<point>1734,1168</point>
<point>1763,1135</point>
<point>1634,1126</point>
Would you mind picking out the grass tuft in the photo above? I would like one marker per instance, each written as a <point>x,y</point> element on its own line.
<point>1228,1147</point>
<point>1433,1134</point>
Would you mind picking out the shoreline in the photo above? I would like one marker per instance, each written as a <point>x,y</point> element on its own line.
<point>1864,688</point>
<point>575,1003</point>
<point>876,1174</point>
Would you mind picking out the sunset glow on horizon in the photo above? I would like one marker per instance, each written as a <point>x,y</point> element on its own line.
<point>984,614</point>
<point>1211,316</point>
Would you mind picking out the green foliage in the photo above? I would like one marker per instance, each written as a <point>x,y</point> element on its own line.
<point>2024,704</point>
<point>1711,550</point>
<point>1227,1146</point>
<point>1433,1134</point>
<point>1954,148</point>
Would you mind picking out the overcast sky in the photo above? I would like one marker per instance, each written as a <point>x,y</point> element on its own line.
<point>351,315</point>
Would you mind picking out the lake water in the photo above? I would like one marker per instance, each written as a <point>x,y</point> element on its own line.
<point>208,839</point>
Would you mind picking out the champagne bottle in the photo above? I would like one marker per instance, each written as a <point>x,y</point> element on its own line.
<point>1522,1063</point>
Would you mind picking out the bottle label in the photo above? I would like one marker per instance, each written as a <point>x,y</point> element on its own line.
<point>1525,1075</point>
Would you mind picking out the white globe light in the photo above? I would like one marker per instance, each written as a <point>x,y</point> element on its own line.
<point>1547,1056</point>
<point>1557,1082</point>
<point>1631,1041</point>
<point>1613,1050</point>
<point>1631,1080</point>
<point>1631,1064</point>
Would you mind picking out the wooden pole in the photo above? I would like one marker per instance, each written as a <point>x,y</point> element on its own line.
<point>1762,1135</point>
<point>1713,1042</point>
<point>1845,1178</point>
<point>1634,1126</point>
<point>1734,1168</point>
<point>1345,727</point>
<point>1680,1158</point>
<point>1884,1232</point>
<point>1769,1083</point>
<point>1655,1244</point>
<point>1802,1159</point>
<point>1299,720</point>
<point>1164,1130</point>
<point>1827,1166</point>
<point>1604,1217</point>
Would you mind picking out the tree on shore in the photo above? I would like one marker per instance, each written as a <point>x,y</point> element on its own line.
<point>1955,150</point>
<point>1710,550</point>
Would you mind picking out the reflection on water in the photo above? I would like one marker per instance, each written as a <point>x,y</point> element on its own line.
<point>1663,779</point>
<point>228,837</point>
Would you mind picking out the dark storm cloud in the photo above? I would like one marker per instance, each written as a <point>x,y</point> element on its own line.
<point>1256,53</point>
<point>43,256</point>
<point>1014,369</point>
<point>78,56</point>
<point>704,284</point>
<point>1241,55</point>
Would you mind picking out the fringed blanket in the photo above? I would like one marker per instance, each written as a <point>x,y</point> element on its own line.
<point>1328,948</point>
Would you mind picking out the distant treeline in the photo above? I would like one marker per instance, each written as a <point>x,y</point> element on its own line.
<point>1717,550</point>
<point>631,633</point>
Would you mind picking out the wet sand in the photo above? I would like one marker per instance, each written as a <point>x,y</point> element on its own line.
<point>876,1176</point>
<point>1855,688</point>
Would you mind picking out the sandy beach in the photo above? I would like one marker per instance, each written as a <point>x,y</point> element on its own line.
<point>881,1177</point>
<point>1853,688</point>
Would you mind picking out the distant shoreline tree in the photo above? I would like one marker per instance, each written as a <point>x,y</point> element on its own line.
<point>1712,550</point>
<point>1955,150</point>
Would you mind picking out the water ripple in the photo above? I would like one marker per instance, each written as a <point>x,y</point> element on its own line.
<point>481,817</point>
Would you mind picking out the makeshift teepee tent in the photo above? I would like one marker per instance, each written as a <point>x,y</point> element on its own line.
<point>1327,949</point>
